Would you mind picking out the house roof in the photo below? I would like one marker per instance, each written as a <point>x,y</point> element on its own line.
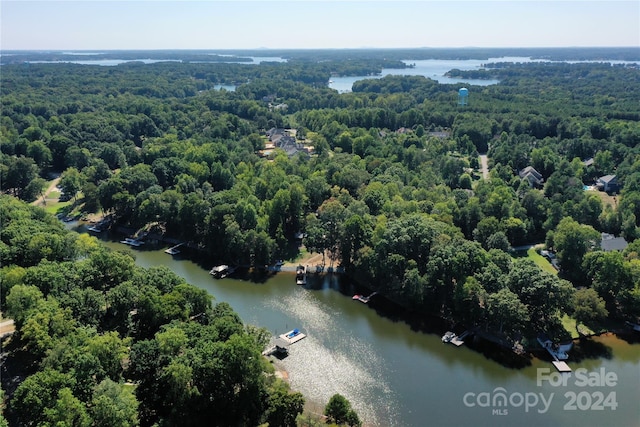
<point>530,170</point>
<point>611,243</point>
<point>607,178</point>
<point>533,180</point>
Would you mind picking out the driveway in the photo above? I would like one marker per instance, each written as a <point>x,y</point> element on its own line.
<point>484,166</point>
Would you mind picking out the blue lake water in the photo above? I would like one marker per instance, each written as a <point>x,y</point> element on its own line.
<point>397,376</point>
<point>432,68</point>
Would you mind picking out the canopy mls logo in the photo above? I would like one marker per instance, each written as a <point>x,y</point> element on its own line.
<point>599,397</point>
<point>500,402</point>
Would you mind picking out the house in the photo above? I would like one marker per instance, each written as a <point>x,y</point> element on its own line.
<point>283,139</point>
<point>610,243</point>
<point>607,183</point>
<point>532,176</point>
<point>588,162</point>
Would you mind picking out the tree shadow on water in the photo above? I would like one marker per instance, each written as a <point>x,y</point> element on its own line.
<point>629,336</point>
<point>586,348</point>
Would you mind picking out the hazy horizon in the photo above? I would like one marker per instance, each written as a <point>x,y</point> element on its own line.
<point>54,25</point>
<point>88,50</point>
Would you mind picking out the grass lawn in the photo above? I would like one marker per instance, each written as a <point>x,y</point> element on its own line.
<point>605,325</point>
<point>569,323</point>
<point>606,198</point>
<point>538,259</point>
<point>56,207</point>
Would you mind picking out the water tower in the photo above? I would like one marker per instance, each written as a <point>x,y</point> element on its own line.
<point>463,96</point>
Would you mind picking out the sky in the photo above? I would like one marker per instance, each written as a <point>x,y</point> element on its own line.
<point>306,24</point>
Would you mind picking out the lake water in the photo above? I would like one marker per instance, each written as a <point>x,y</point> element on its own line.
<point>432,68</point>
<point>397,376</point>
<point>435,69</point>
<point>229,88</point>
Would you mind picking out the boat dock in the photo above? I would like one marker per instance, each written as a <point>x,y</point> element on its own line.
<point>561,366</point>
<point>301,275</point>
<point>362,298</point>
<point>132,242</point>
<point>221,271</point>
<point>452,338</point>
<point>557,351</point>
<point>292,337</point>
<point>174,250</point>
<point>280,348</point>
<point>634,326</point>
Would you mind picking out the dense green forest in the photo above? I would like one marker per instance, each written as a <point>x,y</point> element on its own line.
<point>384,178</point>
<point>102,342</point>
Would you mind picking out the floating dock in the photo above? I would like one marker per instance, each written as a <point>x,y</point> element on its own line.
<point>292,337</point>
<point>561,366</point>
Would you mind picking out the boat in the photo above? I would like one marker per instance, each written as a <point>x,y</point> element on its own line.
<point>448,336</point>
<point>221,271</point>
<point>301,275</point>
<point>95,229</point>
<point>292,333</point>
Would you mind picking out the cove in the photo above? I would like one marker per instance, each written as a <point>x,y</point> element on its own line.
<point>397,376</point>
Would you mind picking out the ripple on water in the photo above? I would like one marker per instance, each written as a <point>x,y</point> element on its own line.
<point>331,360</point>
